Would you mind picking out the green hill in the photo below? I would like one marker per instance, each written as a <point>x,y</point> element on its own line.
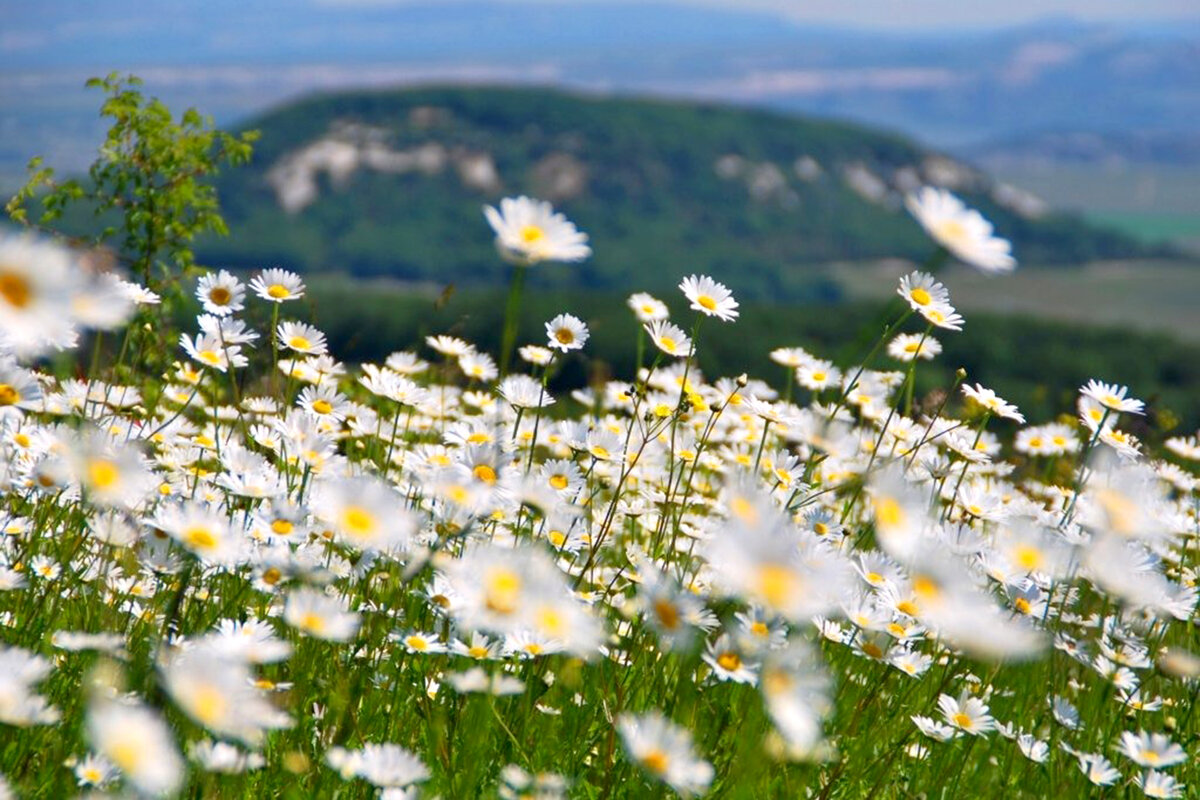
<point>392,183</point>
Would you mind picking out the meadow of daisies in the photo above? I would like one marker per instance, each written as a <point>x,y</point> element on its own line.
<point>263,572</point>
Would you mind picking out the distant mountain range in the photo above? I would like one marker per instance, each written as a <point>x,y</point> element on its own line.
<point>953,89</point>
<point>1158,148</point>
<point>392,183</point>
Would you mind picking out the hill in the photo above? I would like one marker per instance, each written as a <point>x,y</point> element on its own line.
<point>392,182</point>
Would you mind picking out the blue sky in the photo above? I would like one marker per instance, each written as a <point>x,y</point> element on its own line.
<point>921,13</point>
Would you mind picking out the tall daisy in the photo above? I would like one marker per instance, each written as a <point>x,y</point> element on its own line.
<point>961,230</point>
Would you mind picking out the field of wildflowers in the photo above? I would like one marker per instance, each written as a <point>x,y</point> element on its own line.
<point>262,572</point>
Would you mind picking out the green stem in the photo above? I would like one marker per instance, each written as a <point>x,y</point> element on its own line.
<point>511,311</point>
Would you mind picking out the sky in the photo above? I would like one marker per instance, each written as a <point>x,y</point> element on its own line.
<point>922,13</point>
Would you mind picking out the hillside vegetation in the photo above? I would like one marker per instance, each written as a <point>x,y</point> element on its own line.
<point>391,183</point>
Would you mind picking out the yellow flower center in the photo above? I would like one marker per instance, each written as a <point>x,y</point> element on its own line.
<point>531,234</point>
<point>312,622</point>
<point>502,590</point>
<point>299,343</point>
<point>551,621</point>
<point>777,584</point>
<point>358,521</point>
<point>1027,556</point>
<point>485,473</point>
<point>962,720</point>
<point>15,289</point>
<point>667,614</point>
<point>888,513</point>
<point>103,474</point>
<point>200,538</point>
<point>1023,605</point>
<point>9,396</point>
<point>126,754</point>
<point>950,230</point>
<point>322,406</point>
<point>656,761</point>
<point>925,587</point>
<point>558,481</point>
<point>920,296</point>
<point>417,643</point>
<point>282,527</point>
<point>220,296</point>
<point>209,705</point>
<point>278,291</point>
<point>707,302</point>
<point>272,576</point>
<point>729,661</point>
<point>564,336</point>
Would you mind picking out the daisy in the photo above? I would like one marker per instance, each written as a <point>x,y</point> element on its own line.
<point>138,294</point>
<point>478,366</point>
<point>20,704</point>
<point>793,357</point>
<point>36,279</point>
<point>944,316</point>
<point>968,714</point>
<point>709,297</point>
<point>1159,784</point>
<point>529,231</point>
<point>1098,769</point>
<point>536,354</point>
<point>669,338</point>
<point>317,614</point>
<point>221,294</point>
<point>910,346</point>
<point>419,642</point>
<point>910,663</point>
<point>277,285</point>
<point>301,338</point>
<point>212,352</point>
<point>818,375</point>
<point>1153,750</point>
<point>522,391</point>
<point>1112,397</point>
<point>219,693</point>
<point>961,230</point>
<point>202,530</point>
<point>647,308</point>
<point>992,402</point>
<point>382,765</point>
<point>95,770</point>
<point>365,513</point>
<point>922,291</point>
<point>139,743</point>
<point>19,390</point>
<point>727,662</point>
<point>450,346</point>
<point>405,362</point>
<point>566,332</point>
<point>664,750</point>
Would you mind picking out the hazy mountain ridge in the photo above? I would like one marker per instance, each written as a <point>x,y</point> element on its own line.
<point>392,183</point>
